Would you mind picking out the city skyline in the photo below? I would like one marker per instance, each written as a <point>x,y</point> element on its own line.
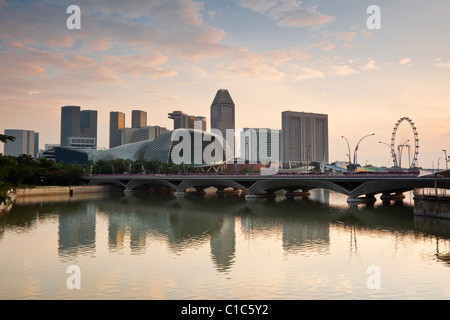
<point>273,56</point>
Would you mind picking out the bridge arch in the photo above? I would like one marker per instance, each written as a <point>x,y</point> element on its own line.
<point>206,183</point>
<point>305,185</point>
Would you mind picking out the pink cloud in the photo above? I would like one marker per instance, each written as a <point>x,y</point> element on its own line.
<point>346,36</point>
<point>324,45</point>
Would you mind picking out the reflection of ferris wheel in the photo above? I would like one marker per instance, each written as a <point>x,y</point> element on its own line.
<point>416,141</point>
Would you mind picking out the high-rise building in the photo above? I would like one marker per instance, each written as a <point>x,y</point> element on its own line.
<point>116,124</point>
<point>77,124</point>
<point>223,119</point>
<point>88,125</point>
<point>132,135</point>
<point>261,145</point>
<point>305,137</point>
<point>70,123</point>
<point>184,121</point>
<point>223,112</point>
<point>138,119</point>
<point>25,142</point>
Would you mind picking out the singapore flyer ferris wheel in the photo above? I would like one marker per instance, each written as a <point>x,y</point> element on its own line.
<point>397,158</point>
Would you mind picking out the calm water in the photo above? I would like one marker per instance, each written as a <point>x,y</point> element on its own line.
<point>145,246</point>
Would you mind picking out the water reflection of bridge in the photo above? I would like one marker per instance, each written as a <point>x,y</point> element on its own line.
<point>133,221</point>
<point>301,226</point>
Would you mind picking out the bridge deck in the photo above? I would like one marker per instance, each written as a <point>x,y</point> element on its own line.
<point>352,185</point>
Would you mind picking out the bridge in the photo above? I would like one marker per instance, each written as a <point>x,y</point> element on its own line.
<point>358,187</point>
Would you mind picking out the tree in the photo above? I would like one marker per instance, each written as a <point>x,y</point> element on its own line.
<point>4,138</point>
<point>4,186</point>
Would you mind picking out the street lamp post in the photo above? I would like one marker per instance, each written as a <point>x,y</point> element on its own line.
<point>355,158</point>
<point>348,146</point>
<point>400,153</point>
<point>393,154</point>
<point>446,159</point>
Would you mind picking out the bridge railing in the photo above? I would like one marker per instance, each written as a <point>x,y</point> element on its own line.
<point>233,175</point>
<point>432,192</point>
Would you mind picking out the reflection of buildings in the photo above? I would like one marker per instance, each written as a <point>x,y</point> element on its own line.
<point>302,226</point>
<point>223,244</point>
<point>183,227</point>
<point>77,229</point>
<point>306,236</point>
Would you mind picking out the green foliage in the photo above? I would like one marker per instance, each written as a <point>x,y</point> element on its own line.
<point>4,188</point>
<point>24,170</point>
<point>5,138</point>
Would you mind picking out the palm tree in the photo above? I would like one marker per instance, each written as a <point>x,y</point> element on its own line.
<point>4,138</point>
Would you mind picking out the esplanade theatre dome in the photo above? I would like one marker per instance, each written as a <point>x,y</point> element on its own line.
<point>185,142</point>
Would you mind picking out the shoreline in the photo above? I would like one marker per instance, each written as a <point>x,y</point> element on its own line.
<point>21,193</point>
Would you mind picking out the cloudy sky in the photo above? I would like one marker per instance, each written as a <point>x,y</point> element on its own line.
<point>272,55</point>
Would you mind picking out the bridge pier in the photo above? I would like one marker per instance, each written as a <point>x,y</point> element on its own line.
<point>221,191</point>
<point>387,196</point>
<point>295,193</point>
<point>259,195</point>
<point>370,198</point>
<point>187,192</point>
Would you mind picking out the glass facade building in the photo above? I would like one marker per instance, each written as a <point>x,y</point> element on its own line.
<point>189,145</point>
<point>223,112</point>
<point>25,142</point>
<point>116,124</point>
<point>138,119</point>
<point>77,123</point>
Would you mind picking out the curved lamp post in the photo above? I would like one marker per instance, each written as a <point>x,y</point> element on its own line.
<point>400,150</point>
<point>355,159</point>
<point>393,154</point>
<point>446,159</point>
<point>348,146</point>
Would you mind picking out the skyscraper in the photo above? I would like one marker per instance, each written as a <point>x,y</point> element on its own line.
<point>25,142</point>
<point>222,112</point>
<point>260,145</point>
<point>184,121</point>
<point>223,119</point>
<point>116,124</point>
<point>138,119</point>
<point>70,123</point>
<point>305,137</point>
<point>77,124</point>
<point>88,125</point>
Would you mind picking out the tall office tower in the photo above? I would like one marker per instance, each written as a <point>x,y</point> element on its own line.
<point>184,121</point>
<point>261,145</point>
<point>305,137</point>
<point>223,118</point>
<point>131,135</point>
<point>138,119</point>
<point>116,124</point>
<point>70,123</point>
<point>24,143</point>
<point>77,124</point>
<point>88,125</point>
<point>36,144</point>
<point>222,112</point>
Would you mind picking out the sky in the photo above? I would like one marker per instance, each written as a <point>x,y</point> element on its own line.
<point>272,55</point>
